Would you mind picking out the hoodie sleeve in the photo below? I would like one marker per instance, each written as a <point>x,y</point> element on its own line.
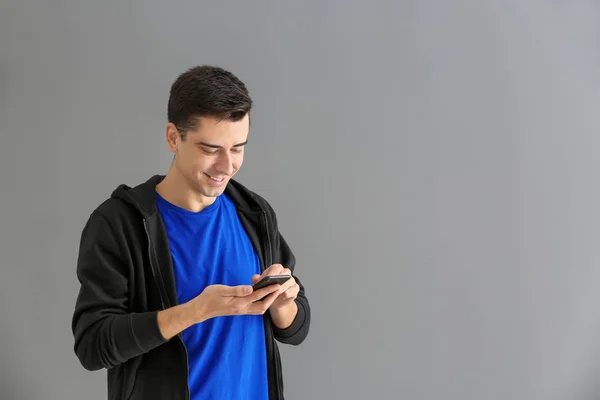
<point>298,330</point>
<point>106,333</point>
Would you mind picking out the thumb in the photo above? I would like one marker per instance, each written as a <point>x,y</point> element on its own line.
<point>237,291</point>
<point>255,278</point>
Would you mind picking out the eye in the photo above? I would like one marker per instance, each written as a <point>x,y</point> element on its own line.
<point>236,150</point>
<point>210,151</point>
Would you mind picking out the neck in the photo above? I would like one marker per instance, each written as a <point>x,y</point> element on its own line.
<point>176,190</point>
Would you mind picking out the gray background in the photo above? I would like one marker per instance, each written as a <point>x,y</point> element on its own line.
<point>433,164</point>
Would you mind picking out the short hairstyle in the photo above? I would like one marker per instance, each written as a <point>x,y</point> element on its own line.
<point>206,91</point>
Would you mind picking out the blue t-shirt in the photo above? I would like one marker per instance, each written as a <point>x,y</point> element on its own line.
<point>226,355</point>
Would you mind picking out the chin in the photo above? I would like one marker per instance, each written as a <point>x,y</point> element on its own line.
<point>211,191</point>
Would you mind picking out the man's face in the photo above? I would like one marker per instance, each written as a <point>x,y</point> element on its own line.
<point>210,155</point>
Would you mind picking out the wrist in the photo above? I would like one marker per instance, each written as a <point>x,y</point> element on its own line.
<point>284,316</point>
<point>285,308</point>
<point>194,312</point>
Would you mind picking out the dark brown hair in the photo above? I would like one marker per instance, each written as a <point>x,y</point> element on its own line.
<point>206,91</point>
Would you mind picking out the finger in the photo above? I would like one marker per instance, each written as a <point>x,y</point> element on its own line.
<point>259,307</point>
<point>260,293</point>
<point>236,291</point>
<point>274,269</point>
<point>288,284</point>
<point>267,301</point>
<point>291,293</point>
<point>255,278</point>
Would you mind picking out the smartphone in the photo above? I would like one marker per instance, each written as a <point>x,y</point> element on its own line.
<point>271,280</point>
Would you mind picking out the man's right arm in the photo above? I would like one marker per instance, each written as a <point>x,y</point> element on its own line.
<point>105,332</point>
<point>176,319</point>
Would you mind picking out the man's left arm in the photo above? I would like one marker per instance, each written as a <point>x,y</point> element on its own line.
<point>290,312</point>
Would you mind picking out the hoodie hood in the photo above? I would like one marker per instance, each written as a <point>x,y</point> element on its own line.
<point>143,196</point>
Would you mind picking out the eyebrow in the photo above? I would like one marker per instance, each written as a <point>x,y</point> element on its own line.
<point>214,146</point>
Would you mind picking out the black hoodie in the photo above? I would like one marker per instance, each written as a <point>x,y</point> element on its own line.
<point>126,275</point>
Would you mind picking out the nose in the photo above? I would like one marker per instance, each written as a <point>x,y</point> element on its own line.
<point>224,164</point>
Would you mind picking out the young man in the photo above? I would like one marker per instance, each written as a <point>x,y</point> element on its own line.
<point>166,267</point>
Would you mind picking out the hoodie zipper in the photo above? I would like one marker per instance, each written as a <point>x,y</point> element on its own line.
<point>268,257</point>
<point>163,296</point>
<point>269,261</point>
<point>158,282</point>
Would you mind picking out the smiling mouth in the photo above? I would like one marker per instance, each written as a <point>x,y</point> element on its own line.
<point>214,178</point>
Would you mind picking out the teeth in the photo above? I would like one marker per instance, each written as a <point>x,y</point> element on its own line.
<point>216,179</point>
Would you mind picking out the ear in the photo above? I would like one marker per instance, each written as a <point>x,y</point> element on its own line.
<point>172,137</point>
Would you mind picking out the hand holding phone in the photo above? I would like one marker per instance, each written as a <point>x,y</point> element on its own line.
<point>271,280</point>
<point>278,274</point>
